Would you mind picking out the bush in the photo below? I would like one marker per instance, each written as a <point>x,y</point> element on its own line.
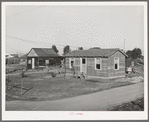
<point>53,74</point>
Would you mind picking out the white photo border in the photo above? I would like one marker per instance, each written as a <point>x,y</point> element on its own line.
<point>65,115</point>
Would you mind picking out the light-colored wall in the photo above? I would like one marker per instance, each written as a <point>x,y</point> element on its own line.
<point>107,67</point>
<point>98,72</point>
<point>121,71</point>
<point>32,54</point>
<point>91,67</point>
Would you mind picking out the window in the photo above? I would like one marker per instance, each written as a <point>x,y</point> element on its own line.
<point>47,61</point>
<point>83,61</point>
<point>29,61</point>
<point>97,63</point>
<point>41,62</point>
<point>71,61</point>
<point>116,63</point>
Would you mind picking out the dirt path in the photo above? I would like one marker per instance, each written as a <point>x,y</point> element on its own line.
<point>99,101</point>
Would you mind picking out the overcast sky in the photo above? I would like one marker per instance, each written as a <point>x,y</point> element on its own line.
<point>80,26</point>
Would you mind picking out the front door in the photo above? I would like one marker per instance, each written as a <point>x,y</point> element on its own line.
<point>33,63</point>
<point>83,65</point>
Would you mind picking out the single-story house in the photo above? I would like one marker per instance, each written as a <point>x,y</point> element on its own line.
<point>98,62</point>
<point>40,57</point>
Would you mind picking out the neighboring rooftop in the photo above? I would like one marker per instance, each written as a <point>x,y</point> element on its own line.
<point>44,52</point>
<point>14,55</point>
<point>94,52</point>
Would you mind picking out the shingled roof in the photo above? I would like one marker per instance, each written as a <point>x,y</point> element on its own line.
<point>45,52</point>
<point>94,53</point>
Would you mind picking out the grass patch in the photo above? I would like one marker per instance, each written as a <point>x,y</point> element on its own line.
<point>14,67</point>
<point>136,105</point>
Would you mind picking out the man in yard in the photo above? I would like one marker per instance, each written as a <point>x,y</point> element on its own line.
<point>73,69</point>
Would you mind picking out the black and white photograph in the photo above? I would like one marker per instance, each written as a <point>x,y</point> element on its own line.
<point>74,61</point>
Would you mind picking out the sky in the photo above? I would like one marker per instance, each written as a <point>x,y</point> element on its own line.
<point>77,26</point>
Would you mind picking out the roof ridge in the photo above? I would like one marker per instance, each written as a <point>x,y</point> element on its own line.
<point>95,52</point>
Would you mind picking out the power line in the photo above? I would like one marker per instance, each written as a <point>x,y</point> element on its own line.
<point>11,47</point>
<point>40,42</point>
<point>24,11</point>
<point>14,49</point>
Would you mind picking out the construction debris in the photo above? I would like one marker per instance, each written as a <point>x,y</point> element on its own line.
<point>81,76</point>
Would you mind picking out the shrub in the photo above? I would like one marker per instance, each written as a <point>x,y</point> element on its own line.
<point>53,74</point>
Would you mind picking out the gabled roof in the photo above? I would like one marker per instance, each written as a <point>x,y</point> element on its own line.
<point>44,52</point>
<point>93,52</point>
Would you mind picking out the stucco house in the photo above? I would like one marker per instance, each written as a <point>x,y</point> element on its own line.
<point>98,62</point>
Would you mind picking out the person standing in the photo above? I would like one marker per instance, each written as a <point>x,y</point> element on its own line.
<point>73,69</point>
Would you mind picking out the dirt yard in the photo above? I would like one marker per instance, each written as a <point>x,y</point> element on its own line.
<point>15,67</point>
<point>43,87</point>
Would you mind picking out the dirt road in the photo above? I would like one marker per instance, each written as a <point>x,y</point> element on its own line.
<point>99,101</point>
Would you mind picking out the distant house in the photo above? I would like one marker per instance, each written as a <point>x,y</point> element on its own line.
<point>98,62</point>
<point>40,57</point>
<point>12,59</point>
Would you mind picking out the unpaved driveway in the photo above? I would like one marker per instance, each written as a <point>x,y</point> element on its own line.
<point>99,101</point>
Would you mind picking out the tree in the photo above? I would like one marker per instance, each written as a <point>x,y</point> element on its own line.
<point>129,53</point>
<point>54,48</point>
<point>80,48</point>
<point>135,53</point>
<point>66,50</point>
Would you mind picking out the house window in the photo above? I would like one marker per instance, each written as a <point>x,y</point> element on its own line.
<point>116,63</point>
<point>47,61</point>
<point>83,61</point>
<point>97,63</point>
<point>71,61</point>
<point>29,61</point>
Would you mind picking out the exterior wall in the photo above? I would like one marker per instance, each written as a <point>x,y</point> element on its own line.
<point>91,68</point>
<point>67,62</point>
<point>121,71</point>
<point>42,61</point>
<point>76,65</point>
<point>29,66</point>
